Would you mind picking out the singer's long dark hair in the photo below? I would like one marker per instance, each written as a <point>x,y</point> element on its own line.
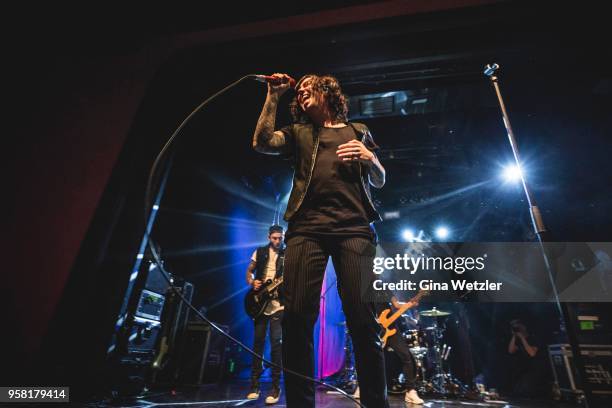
<point>329,87</point>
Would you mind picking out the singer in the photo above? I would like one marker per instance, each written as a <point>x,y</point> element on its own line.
<point>329,213</point>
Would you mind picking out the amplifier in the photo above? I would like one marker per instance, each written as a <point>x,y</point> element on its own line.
<point>203,354</point>
<point>598,366</point>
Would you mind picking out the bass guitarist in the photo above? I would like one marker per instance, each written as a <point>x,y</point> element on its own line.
<point>393,338</point>
<point>401,347</point>
<point>266,266</point>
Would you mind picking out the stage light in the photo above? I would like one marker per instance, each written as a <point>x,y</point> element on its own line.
<point>408,235</point>
<point>512,173</point>
<point>442,232</point>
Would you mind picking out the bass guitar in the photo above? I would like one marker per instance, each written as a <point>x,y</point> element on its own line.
<point>386,321</point>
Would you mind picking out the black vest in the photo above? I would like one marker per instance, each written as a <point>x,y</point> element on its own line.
<point>263,254</point>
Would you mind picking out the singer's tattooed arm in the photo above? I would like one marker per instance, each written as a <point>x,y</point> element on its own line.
<point>265,139</point>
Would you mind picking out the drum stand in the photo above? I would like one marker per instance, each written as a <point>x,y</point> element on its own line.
<point>421,381</point>
<point>442,382</point>
<point>348,379</point>
<point>419,353</point>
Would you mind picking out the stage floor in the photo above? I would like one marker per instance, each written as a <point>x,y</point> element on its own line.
<point>233,395</point>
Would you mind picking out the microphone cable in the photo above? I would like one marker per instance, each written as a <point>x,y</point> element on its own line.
<point>156,256</point>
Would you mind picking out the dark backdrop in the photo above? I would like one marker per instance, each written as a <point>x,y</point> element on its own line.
<point>92,110</point>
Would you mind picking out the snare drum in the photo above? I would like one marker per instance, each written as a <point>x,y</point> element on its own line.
<point>413,337</point>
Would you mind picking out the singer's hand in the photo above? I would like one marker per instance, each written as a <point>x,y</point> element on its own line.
<point>281,87</point>
<point>354,151</point>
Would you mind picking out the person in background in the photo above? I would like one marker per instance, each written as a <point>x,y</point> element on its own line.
<point>267,264</point>
<point>528,362</point>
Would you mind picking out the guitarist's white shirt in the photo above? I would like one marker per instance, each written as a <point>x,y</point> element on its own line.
<point>274,305</point>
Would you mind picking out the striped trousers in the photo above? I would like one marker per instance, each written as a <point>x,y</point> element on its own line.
<point>305,261</point>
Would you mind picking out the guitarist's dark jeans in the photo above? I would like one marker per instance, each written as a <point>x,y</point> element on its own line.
<point>261,327</point>
<point>305,261</point>
<point>402,349</point>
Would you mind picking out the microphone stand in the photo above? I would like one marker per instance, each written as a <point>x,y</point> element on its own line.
<point>537,222</point>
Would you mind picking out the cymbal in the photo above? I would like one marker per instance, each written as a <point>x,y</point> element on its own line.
<point>434,313</point>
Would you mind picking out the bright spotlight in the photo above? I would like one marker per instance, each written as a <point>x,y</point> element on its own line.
<point>442,232</point>
<point>512,173</point>
<point>408,235</point>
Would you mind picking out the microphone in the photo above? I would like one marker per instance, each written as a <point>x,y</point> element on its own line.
<point>274,80</point>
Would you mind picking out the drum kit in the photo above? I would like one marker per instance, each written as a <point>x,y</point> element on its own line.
<point>430,354</point>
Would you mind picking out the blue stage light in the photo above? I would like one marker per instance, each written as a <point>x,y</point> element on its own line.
<point>442,232</point>
<point>512,173</point>
<point>408,235</point>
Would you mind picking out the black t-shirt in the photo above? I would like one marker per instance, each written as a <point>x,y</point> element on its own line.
<point>334,202</point>
<point>522,359</point>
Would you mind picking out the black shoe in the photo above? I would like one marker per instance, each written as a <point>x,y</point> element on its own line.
<point>274,395</point>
